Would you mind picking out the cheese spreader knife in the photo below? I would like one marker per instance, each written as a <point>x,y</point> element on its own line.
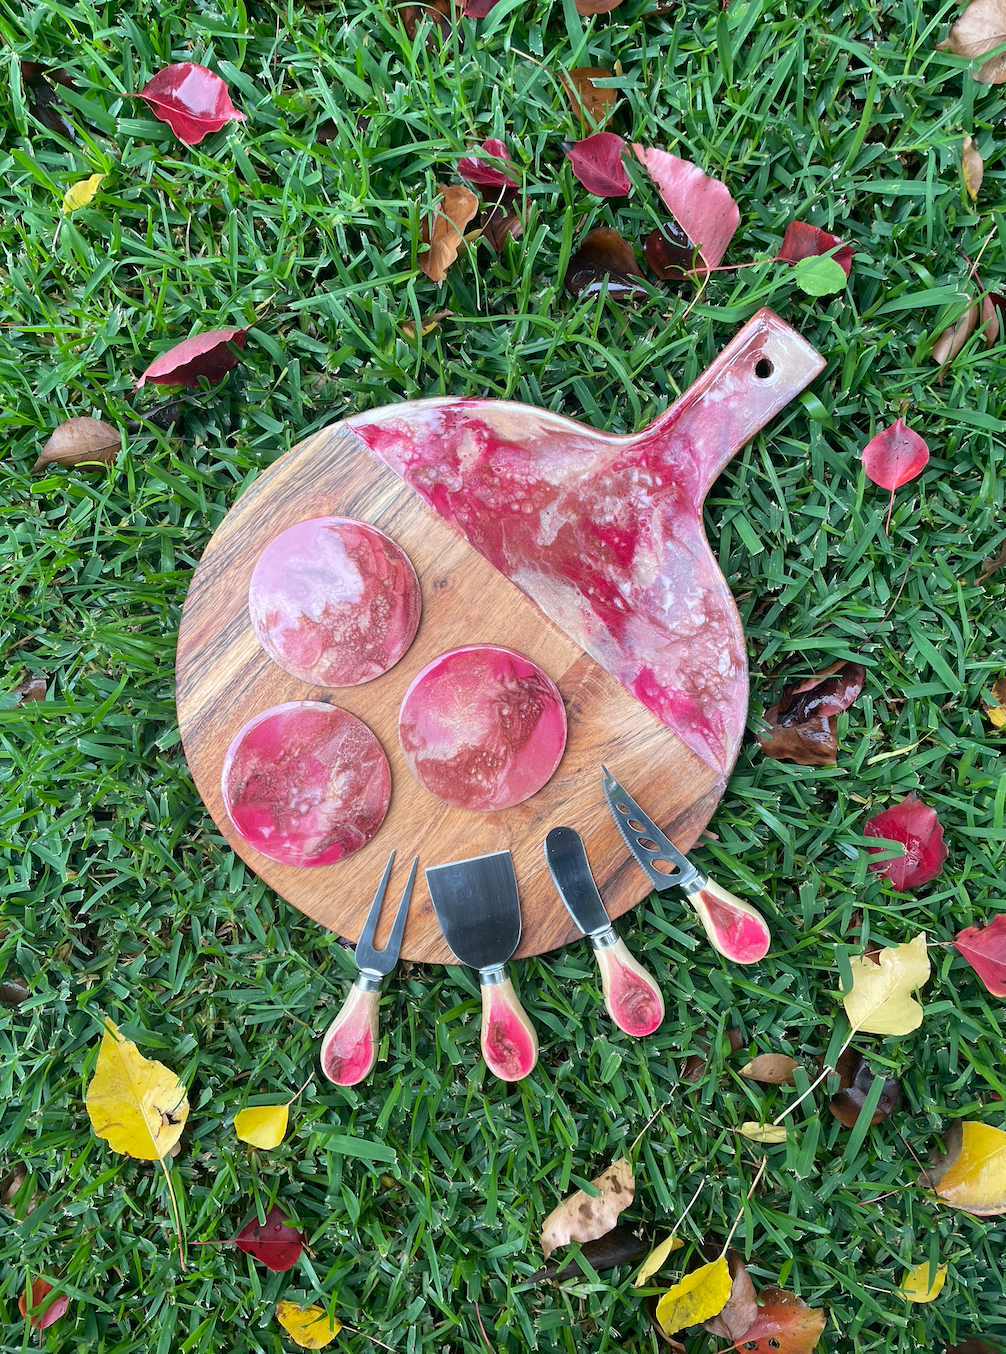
<point>478,909</point>
<point>631,995</point>
<point>733,926</point>
<point>349,1048</point>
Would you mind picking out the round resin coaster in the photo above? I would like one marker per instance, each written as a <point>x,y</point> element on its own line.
<point>306,783</point>
<point>334,601</point>
<point>482,727</point>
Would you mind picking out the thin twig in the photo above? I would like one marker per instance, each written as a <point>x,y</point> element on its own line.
<point>737,1221</point>
<point>814,1084</point>
<point>482,1328</point>
<point>897,595</point>
<point>372,1338</point>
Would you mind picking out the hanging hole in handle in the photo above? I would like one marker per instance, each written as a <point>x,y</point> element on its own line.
<point>763,369</point>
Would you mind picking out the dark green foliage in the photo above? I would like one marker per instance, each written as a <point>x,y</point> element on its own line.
<point>422,1192</point>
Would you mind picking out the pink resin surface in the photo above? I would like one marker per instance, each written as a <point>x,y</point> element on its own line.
<point>306,783</point>
<point>482,727</point>
<point>334,601</point>
<point>635,1006</point>
<point>605,532</point>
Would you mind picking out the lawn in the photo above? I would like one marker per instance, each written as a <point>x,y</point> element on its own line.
<point>120,898</point>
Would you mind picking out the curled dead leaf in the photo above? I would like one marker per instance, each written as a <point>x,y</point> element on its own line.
<point>12,1182</point>
<point>585,97</point>
<point>978,30</point>
<point>587,7</point>
<point>669,252</point>
<point>972,167</point>
<point>437,11</point>
<point>784,1325</point>
<point>80,441</point>
<point>604,261</point>
<point>582,1217</point>
<point>741,1309</point>
<point>501,221</point>
<point>802,726</point>
<point>953,338</point>
<point>855,1081</point>
<point>620,1246</point>
<point>445,232</point>
<point>774,1069</point>
<point>13,991</point>
<point>429,324</point>
<point>696,1066</point>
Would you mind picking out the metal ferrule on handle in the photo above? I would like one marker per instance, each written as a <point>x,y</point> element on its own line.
<point>603,940</point>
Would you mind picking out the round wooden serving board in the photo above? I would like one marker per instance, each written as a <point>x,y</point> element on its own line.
<point>224,677</point>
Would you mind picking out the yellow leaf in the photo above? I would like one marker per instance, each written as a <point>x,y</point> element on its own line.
<point>80,194</point>
<point>881,1001</point>
<point>656,1258</point>
<point>698,1296</point>
<point>262,1126</point>
<point>763,1132</point>
<point>139,1106</point>
<point>916,1287</point>
<point>971,1175</point>
<point>584,1217</point>
<point>308,1327</point>
<point>996,716</point>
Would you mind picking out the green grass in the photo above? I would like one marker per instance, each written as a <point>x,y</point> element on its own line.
<point>120,897</point>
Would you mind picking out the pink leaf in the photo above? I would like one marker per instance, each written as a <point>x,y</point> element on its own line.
<point>477,171</point>
<point>917,827</point>
<point>276,1242</point>
<point>201,355</point>
<point>597,163</point>
<point>702,206</point>
<point>40,1290</point>
<point>985,950</point>
<point>894,457</point>
<point>803,242</point>
<point>191,100</point>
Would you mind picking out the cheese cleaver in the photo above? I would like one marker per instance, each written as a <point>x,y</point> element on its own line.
<point>478,909</point>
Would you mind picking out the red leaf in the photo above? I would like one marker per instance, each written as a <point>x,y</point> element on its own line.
<point>478,9</point>
<point>276,1242</point>
<point>477,171</point>
<point>201,355</point>
<point>803,242</point>
<point>597,163</point>
<point>191,100</point>
<point>784,1325</point>
<point>39,1291</point>
<point>919,829</point>
<point>985,950</point>
<point>702,206</point>
<point>894,457</point>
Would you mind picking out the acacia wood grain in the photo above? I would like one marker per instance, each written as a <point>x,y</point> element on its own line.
<point>224,677</point>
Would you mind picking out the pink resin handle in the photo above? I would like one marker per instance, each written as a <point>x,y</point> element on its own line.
<point>509,1041</point>
<point>631,995</point>
<point>349,1048</point>
<point>733,926</point>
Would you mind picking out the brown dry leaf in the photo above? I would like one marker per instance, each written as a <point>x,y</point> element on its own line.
<point>12,1182</point>
<point>620,1246</point>
<point>775,1069</point>
<point>981,27</point>
<point>604,262</point>
<point>80,441</point>
<point>972,1345</point>
<point>989,567</point>
<point>954,337</point>
<point>855,1080</point>
<point>34,689</point>
<point>696,1067</point>
<point>972,167</point>
<point>802,726</point>
<point>444,235</point>
<point>501,221</point>
<point>437,11</point>
<point>584,95</point>
<point>582,1218</point>
<point>429,324</point>
<point>13,991</point>
<point>587,7</point>
<point>742,1306</point>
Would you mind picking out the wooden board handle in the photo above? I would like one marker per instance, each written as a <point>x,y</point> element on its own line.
<point>509,1041</point>
<point>349,1048</point>
<point>733,926</point>
<point>633,999</point>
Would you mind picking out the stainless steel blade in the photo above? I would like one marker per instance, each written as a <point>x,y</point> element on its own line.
<point>570,871</point>
<point>478,908</point>
<point>650,847</point>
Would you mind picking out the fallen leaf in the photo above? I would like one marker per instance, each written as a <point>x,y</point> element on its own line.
<point>597,163</point>
<point>164,416</point>
<point>784,1325</point>
<point>802,726</point>
<point>309,1327</point>
<point>262,1126</point>
<point>80,194</point>
<point>741,1308</point>
<point>985,950</point>
<point>34,689</point>
<point>768,1133</point>
<point>585,96</point>
<point>13,991</point>
<point>582,1217</point>
<point>437,10</point>
<point>973,1346</point>
<point>604,261</point>
<point>42,98</point>
<point>620,1246</point>
<point>972,168</point>
<point>276,1242</point>
<point>855,1080</point>
<point>701,205</point>
<point>40,1290</point>
<point>669,252</point>
<point>429,324</point>
<point>11,1183</point>
<point>696,1067</point>
<point>478,9</point>
<point>206,355</point>
<point>880,1000</point>
<point>990,567</point>
<point>656,1259</point>
<point>921,1285</point>
<point>775,1069</point>
<point>981,27</point>
<point>138,1106</point>
<point>80,441</point>
<point>501,222</point>
<point>992,306</point>
<point>698,1296</point>
<point>920,831</point>
<point>820,277</point>
<point>487,175</point>
<point>894,457</point>
<point>802,241</point>
<point>952,339</point>
<point>445,232</point>
<point>970,1173</point>
<point>191,100</point>
<point>586,7</point>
